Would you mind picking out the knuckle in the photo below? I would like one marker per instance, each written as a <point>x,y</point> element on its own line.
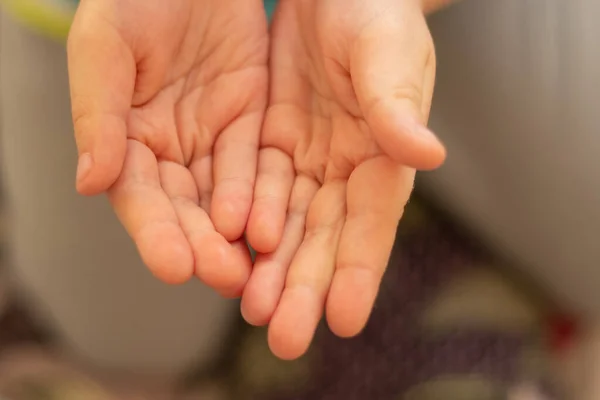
<point>409,91</point>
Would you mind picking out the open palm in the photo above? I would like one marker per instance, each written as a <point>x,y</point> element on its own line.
<point>168,101</point>
<point>351,88</point>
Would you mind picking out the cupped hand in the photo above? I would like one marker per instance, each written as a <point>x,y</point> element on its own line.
<point>168,100</point>
<point>345,130</point>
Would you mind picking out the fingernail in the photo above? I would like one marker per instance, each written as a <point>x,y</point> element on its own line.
<point>84,166</point>
<point>414,126</point>
<point>424,131</point>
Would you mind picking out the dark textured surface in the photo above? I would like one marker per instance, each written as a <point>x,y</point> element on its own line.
<point>393,355</point>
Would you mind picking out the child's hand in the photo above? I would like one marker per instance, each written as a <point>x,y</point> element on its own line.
<point>168,100</point>
<point>352,82</point>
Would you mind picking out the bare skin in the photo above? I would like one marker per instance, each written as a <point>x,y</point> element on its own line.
<point>351,89</point>
<point>168,101</point>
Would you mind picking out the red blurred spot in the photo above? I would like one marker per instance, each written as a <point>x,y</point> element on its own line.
<point>563,332</point>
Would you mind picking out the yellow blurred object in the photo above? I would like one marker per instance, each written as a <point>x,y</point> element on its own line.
<point>49,18</point>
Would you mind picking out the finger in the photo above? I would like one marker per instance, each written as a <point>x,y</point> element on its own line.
<point>102,73</point>
<point>148,216</point>
<point>201,170</point>
<point>366,241</point>
<point>209,123</point>
<point>271,198</point>
<point>218,263</point>
<point>301,306</point>
<point>235,157</point>
<point>241,253</point>
<point>392,62</point>
<point>263,290</point>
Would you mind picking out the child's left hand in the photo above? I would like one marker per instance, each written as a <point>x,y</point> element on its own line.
<point>168,101</point>
<point>352,83</point>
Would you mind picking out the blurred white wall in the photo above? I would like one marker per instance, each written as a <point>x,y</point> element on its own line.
<point>517,106</point>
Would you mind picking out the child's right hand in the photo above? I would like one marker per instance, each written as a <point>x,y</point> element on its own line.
<point>352,82</point>
<point>168,99</point>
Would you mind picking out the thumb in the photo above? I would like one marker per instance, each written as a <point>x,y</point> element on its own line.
<point>393,70</point>
<point>102,75</point>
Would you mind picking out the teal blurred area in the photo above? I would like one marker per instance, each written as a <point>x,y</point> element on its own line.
<point>270,7</point>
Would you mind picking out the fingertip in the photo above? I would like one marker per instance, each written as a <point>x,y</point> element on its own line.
<point>230,211</point>
<point>350,301</point>
<point>261,295</point>
<point>102,145</point>
<point>402,136</point>
<point>429,152</point>
<point>223,266</point>
<point>85,166</point>
<point>285,347</point>
<point>254,309</point>
<point>294,324</point>
<point>274,182</point>
<point>167,255</point>
<point>98,180</point>
<point>264,231</point>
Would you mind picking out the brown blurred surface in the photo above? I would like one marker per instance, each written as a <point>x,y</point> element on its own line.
<point>449,318</point>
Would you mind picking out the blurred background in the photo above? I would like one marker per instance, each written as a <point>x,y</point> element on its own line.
<point>494,271</point>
